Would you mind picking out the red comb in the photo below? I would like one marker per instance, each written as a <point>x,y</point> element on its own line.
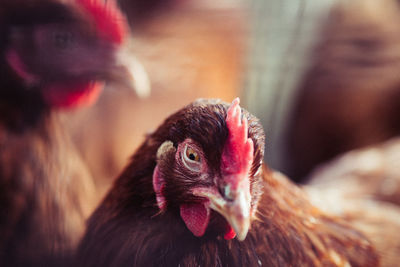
<point>109,20</point>
<point>237,155</point>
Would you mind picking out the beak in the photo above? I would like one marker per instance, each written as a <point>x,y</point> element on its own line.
<point>130,73</point>
<point>234,205</point>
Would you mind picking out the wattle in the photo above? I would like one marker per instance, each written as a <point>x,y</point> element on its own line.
<point>229,232</point>
<point>72,95</point>
<point>196,217</point>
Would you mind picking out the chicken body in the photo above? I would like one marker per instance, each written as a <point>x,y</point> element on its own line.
<point>364,186</point>
<point>53,54</point>
<point>183,198</point>
<point>46,195</point>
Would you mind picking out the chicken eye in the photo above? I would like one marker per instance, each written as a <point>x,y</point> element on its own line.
<point>191,159</point>
<point>192,155</point>
<point>63,39</point>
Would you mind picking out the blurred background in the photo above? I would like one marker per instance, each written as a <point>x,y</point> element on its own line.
<point>322,76</point>
<point>188,50</point>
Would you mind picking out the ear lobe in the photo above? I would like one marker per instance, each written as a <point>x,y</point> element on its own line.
<point>16,64</point>
<point>158,186</point>
<point>165,149</point>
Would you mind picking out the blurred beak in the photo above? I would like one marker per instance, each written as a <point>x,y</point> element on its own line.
<point>130,73</point>
<point>234,206</point>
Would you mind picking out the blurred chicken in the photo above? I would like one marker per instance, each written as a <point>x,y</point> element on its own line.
<point>364,186</point>
<point>54,54</point>
<point>198,181</point>
<point>350,98</point>
<point>323,78</point>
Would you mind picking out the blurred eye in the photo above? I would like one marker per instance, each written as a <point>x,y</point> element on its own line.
<point>191,159</point>
<point>63,39</point>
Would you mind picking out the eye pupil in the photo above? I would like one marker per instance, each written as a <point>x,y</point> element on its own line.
<point>192,155</point>
<point>191,159</point>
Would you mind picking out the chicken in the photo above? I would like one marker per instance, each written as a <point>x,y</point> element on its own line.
<point>54,54</point>
<point>349,97</point>
<point>364,186</point>
<point>198,182</point>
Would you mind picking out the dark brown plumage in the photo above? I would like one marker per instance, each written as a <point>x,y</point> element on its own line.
<point>135,226</point>
<point>52,55</point>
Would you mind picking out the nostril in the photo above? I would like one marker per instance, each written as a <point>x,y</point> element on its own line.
<point>226,192</point>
